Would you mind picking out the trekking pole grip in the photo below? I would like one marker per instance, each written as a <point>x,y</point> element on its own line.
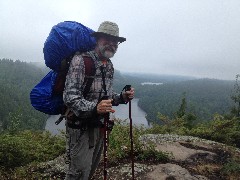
<point>128,88</point>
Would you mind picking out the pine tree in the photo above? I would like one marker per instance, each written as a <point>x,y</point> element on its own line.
<point>236,97</point>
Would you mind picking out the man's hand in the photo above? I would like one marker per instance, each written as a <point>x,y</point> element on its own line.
<point>105,106</point>
<point>128,95</point>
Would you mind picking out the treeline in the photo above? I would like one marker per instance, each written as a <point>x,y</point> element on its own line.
<point>176,104</point>
<point>204,97</point>
<point>16,81</point>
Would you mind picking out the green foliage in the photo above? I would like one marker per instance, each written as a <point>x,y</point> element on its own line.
<point>14,122</point>
<point>149,153</point>
<point>16,81</point>
<point>120,145</point>
<point>220,129</point>
<point>204,97</point>
<point>223,128</point>
<point>182,109</point>
<point>25,147</point>
<point>236,97</point>
<point>29,147</point>
<point>200,100</point>
<point>21,153</point>
<point>231,168</point>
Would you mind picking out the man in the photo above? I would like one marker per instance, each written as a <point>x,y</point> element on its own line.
<point>85,144</point>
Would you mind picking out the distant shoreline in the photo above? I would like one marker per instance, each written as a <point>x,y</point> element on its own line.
<point>150,83</point>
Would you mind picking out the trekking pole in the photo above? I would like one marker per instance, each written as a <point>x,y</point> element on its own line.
<point>131,138</point>
<point>128,88</point>
<point>106,119</point>
<point>105,139</point>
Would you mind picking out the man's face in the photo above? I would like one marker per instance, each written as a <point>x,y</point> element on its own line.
<point>107,46</point>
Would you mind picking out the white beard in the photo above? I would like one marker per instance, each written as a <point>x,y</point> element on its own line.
<point>108,54</point>
<point>105,52</point>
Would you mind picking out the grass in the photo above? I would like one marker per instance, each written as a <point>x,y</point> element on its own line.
<point>27,149</point>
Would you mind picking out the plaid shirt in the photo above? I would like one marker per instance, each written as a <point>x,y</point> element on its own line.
<point>74,85</point>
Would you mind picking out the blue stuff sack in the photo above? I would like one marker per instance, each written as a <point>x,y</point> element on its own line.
<point>43,98</point>
<point>64,40</point>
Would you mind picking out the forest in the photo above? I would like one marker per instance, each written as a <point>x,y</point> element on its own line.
<point>16,81</point>
<point>203,97</point>
<point>205,108</point>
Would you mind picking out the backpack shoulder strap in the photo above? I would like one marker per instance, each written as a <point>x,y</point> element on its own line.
<point>90,71</point>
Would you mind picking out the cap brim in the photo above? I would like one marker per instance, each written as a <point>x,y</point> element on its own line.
<point>99,34</point>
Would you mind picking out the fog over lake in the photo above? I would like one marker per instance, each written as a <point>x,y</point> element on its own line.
<point>122,112</point>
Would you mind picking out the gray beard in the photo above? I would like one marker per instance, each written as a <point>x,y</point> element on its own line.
<point>106,53</point>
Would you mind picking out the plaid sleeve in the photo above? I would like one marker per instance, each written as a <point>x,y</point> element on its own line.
<point>74,85</point>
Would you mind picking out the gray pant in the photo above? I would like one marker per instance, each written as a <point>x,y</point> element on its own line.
<point>83,160</point>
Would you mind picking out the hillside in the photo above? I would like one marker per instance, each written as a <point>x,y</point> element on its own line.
<point>16,81</point>
<point>135,79</point>
<point>173,151</point>
<point>204,97</point>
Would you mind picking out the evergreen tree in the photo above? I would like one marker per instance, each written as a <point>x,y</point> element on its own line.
<point>236,97</point>
<point>182,109</point>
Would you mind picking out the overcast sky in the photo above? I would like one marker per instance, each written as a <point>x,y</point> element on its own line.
<point>183,37</point>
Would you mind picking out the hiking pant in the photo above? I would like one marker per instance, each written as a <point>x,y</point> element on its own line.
<point>83,157</point>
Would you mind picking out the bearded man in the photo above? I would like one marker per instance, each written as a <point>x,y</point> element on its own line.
<point>84,140</point>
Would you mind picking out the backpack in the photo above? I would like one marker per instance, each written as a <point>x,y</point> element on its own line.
<point>47,95</point>
<point>64,40</point>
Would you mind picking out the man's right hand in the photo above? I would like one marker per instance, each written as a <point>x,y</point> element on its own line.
<point>104,106</point>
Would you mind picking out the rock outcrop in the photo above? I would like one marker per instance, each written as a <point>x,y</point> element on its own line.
<point>191,158</point>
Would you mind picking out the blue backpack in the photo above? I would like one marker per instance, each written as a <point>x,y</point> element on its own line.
<point>64,40</point>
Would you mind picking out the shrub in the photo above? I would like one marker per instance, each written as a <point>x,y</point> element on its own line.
<point>219,129</point>
<point>231,168</point>
<point>120,145</point>
<point>24,147</point>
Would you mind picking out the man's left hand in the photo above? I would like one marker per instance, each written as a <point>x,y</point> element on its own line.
<point>128,95</point>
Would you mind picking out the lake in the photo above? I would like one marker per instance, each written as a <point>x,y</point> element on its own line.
<point>151,83</point>
<point>122,112</point>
